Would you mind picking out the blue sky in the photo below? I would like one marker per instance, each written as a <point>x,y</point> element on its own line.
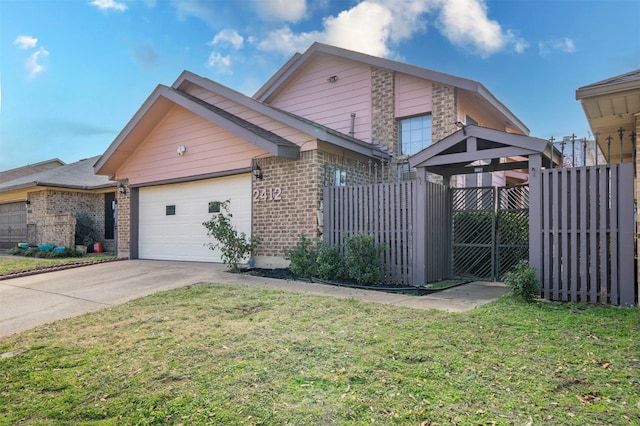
<point>73,72</point>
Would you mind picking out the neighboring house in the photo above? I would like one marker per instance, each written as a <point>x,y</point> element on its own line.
<point>197,142</point>
<point>30,169</point>
<point>44,204</point>
<point>611,106</point>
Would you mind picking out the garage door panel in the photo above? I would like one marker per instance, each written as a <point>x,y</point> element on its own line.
<point>13,224</point>
<point>181,236</point>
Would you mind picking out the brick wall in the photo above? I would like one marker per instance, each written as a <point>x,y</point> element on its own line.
<point>384,127</point>
<point>53,213</point>
<point>123,227</point>
<point>445,111</point>
<point>278,223</point>
<point>288,199</point>
<point>637,190</point>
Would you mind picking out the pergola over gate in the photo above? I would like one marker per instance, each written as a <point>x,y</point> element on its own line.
<point>474,245</point>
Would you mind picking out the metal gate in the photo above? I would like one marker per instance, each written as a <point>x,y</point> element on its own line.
<point>490,230</point>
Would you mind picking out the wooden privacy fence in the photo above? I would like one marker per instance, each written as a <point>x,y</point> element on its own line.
<point>582,228</point>
<point>394,215</point>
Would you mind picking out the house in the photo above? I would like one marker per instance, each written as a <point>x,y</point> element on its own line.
<point>612,107</point>
<point>197,142</point>
<point>41,207</point>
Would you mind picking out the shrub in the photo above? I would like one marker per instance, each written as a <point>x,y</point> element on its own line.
<point>302,258</point>
<point>234,246</point>
<point>362,261</point>
<point>329,262</point>
<point>522,282</point>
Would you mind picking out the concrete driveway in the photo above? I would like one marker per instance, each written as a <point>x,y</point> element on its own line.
<point>35,300</point>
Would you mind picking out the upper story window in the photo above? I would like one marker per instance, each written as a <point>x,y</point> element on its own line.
<point>415,134</point>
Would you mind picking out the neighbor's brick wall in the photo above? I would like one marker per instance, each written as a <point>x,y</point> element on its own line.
<point>445,111</point>
<point>384,126</point>
<point>53,213</point>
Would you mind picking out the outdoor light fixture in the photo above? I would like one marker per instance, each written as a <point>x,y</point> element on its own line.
<point>332,79</point>
<point>257,172</point>
<point>181,150</point>
<point>27,202</point>
<point>122,189</point>
<point>461,125</point>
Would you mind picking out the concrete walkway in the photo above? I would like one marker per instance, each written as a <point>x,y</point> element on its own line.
<point>31,301</point>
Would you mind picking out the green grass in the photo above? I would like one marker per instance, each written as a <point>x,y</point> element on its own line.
<point>213,354</point>
<point>19,263</point>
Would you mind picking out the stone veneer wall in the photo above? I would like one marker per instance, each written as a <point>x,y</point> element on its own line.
<point>384,126</point>
<point>53,212</point>
<point>637,195</point>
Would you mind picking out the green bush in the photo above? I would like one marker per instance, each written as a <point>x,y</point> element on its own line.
<point>329,262</point>
<point>363,262</point>
<point>85,230</point>
<point>234,246</point>
<point>522,282</point>
<point>302,258</point>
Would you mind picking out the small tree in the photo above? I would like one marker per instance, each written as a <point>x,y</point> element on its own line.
<point>234,246</point>
<point>85,229</point>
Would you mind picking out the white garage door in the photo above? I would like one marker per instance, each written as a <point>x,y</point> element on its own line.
<point>171,217</point>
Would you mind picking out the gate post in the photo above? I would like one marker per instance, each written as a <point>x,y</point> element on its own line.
<point>535,214</point>
<point>419,227</point>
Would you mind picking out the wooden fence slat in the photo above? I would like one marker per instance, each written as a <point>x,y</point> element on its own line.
<point>584,234</point>
<point>613,236</point>
<point>562,207</point>
<point>603,228</point>
<point>593,229</point>
<point>574,213</point>
<point>627,275</point>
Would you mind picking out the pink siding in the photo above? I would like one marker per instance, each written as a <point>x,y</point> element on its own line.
<point>310,95</point>
<point>471,106</point>
<point>254,117</point>
<point>413,95</point>
<point>209,149</point>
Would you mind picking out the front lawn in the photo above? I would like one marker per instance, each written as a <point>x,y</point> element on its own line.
<point>214,354</point>
<point>19,263</point>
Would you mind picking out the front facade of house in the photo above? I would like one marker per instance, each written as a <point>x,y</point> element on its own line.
<point>41,207</point>
<point>197,142</point>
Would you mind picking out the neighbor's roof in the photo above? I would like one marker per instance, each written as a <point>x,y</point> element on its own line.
<point>274,84</point>
<point>619,83</point>
<point>30,169</point>
<point>78,175</point>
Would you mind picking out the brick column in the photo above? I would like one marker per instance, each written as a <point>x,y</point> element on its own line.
<point>444,111</point>
<point>124,224</point>
<point>384,128</point>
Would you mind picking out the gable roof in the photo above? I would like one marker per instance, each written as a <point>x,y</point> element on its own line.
<point>459,152</point>
<point>163,98</point>
<point>30,169</point>
<point>295,64</point>
<point>78,175</point>
<point>302,124</point>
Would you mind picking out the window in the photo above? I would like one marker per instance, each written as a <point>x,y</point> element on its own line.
<point>340,177</point>
<point>415,134</point>
<point>170,210</point>
<point>214,207</point>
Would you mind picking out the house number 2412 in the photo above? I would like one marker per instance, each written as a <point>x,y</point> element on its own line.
<point>270,194</point>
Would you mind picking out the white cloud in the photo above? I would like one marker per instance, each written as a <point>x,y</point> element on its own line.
<point>281,10</point>
<point>220,64</point>
<point>565,45</point>
<point>228,37</point>
<point>466,24</point>
<point>199,9</point>
<point>109,5</point>
<point>26,42</point>
<point>375,26</point>
<point>33,64</point>
<point>364,28</point>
